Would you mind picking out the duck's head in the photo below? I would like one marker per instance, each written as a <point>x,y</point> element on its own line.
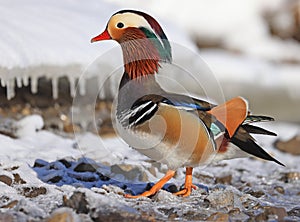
<point>141,38</point>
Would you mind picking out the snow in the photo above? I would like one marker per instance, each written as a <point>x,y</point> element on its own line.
<point>29,125</point>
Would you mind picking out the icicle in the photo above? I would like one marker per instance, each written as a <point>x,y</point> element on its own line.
<point>19,81</point>
<point>72,86</point>
<point>34,84</point>
<point>81,85</point>
<point>54,88</point>
<point>10,88</point>
<point>3,82</point>
<point>101,88</point>
<point>25,80</point>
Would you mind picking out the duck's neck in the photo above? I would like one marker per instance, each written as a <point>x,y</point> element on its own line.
<point>140,54</point>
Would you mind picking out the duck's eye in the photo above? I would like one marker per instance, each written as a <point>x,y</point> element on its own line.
<point>120,25</point>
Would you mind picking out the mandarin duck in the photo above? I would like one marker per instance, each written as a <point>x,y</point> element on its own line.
<point>175,129</point>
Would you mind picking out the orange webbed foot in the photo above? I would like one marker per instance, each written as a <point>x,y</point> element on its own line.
<point>155,188</point>
<point>186,191</point>
<point>188,186</point>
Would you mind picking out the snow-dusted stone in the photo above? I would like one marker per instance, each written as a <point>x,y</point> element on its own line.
<point>29,125</point>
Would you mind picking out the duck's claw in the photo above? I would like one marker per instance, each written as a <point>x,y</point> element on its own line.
<point>188,186</point>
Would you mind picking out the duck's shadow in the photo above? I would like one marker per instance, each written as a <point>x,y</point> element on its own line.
<point>87,173</point>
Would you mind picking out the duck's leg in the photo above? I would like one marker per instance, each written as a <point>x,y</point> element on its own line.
<point>188,186</point>
<point>156,186</point>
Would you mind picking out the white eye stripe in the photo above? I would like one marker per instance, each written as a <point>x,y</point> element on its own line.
<point>131,20</point>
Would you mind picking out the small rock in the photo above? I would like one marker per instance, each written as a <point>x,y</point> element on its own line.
<point>279,189</point>
<point>11,204</point>
<point>55,179</point>
<point>221,199</point>
<point>171,188</point>
<point>62,215</point>
<point>224,179</point>
<point>77,202</point>
<point>291,146</point>
<point>270,212</point>
<point>32,192</point>
<point>40,163</point>
<point>164,196</point>
<point>6,179</point>
<point>255,193</point>
<point>18,179</point>
<point>66,163</point>
<point>85,167</point>
<point>290,176</point>
<point>218,216</point>
<point>294,212</point>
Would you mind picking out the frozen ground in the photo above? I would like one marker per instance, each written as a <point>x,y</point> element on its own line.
<point>44,175</point>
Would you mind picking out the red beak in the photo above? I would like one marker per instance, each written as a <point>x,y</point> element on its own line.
<point>103,36</point>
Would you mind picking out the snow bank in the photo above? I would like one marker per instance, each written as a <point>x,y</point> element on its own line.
<point>52,39</point>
